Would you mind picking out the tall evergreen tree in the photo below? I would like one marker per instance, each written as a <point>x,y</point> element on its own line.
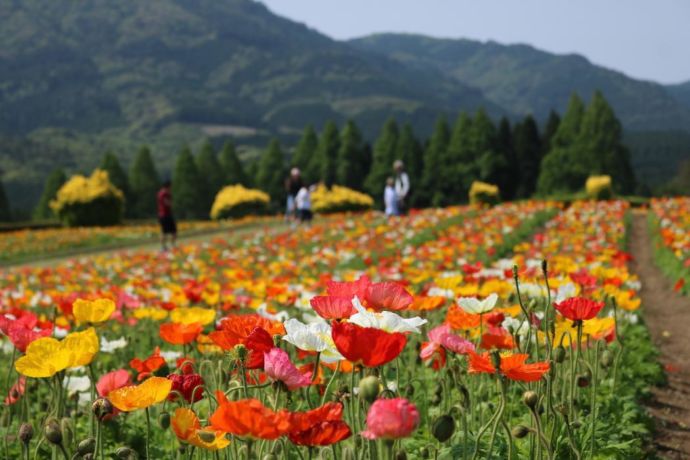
<point>327,153</point>
<point>186,188</point>
<point>53,183</point>
<point>431,191</point>
<point>5,210</point>
<point>383,157</point>
<point>528,154</point>
<point>270,176</point>
<point>210,171</point>
<point>507,179</point>
<point>144,183</point>
<point>233,170</point>
<point>489,161</point>
<point>116,174</point>
<point>569,126</point>
<point>351,162</point>
<point>411,153</point>
<point>460,160</point>
<point>550,129</point>
<point>304,157</point>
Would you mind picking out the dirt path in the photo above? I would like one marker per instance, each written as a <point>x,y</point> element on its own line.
<point>668,316</point>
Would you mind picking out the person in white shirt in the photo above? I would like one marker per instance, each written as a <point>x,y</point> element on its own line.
<point>390,198</point>
<point>303,205</point>
<point>402,186</point>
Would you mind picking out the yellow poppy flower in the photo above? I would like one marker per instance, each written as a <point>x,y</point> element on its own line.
<point>47,356</point>
<point>133,397</point>
<point>189,315</point>
<point>156,314</point>
<point>93,311</point>
<point>187,428</point>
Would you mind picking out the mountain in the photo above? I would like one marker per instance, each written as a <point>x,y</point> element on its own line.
<point>681,92</point>
<point>526,80</point>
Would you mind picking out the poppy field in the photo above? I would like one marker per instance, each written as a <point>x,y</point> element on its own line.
<point>465,332</point>
<point>670,225</point>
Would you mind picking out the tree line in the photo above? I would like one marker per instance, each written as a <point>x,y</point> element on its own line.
<point>522,158</point>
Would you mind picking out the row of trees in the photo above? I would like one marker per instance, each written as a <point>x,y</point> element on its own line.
<point>519,157</point>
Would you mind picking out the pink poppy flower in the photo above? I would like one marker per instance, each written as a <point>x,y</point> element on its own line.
<point>442,336</point>
<point>277,366</point>
<point>21,335</point>
<point>112,381</point>
<point>388,295</point>
<point>391,419</point>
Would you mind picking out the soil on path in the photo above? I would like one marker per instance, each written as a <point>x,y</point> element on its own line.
<point>668,316</point>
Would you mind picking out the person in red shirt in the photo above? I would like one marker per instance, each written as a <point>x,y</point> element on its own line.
<point>165,215</point>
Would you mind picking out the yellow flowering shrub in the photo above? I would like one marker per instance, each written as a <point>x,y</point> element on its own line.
<point>483,193</point>
<point>238,201</point>
<point>599,187</point>
<point>339,199</point>
<point>89,201</point>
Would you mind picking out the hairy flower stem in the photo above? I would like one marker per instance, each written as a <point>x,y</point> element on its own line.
<point>148,432</point>
<point>330,382</point>
<point>499,418</point>
<point>484,428</point>
<point>593,400</point>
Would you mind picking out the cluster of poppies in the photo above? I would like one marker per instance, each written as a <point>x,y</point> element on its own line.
<point>360,336</point>
<point>670,221</point>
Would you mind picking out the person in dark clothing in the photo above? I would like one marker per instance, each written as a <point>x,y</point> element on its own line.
<point>293,184</point>
<point>165,216</point>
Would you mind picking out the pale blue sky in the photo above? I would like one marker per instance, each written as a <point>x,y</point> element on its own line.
<point>648,39</point>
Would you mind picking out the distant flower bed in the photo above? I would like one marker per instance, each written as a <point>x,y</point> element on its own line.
<point>339,199</point>
<point>237,201</point>
<point>89,201</point>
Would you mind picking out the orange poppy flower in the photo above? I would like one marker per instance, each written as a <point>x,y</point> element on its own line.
<point>425,303</point>
<point>458,319</point>
<point>235,329</point>
<point>321,434</point>
<point>187,427</point>
<point>179,333</point>
<point>249,418</point>
<point>512,366</point>
<point>148,393</point>
<point>366,345</point>
<point>149,365</point>
<point>497,338</point>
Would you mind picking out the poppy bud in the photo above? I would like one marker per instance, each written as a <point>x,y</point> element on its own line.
<point>519,431</point>
<point>559,354</point>
<point>369,388</point>
<point>443,428</point>
<point>400,455</point>
<point>424,452</point>
<point>515,271</point>
<point>206,436</point>
<point>530,398</point>
<point>125,453</point>
<point>465,396</point>
<point>582,381</point>
<point>164,420</point>
<point>52,432</point>
<point>101,407</point>
<point>575,424</point>
<point>26,433</point>
<point>87,446</point>
<point>544,266</point>
<point>67,429</point>
<point>496,359</point>
<point>606,359</point>
<point>241,352</point>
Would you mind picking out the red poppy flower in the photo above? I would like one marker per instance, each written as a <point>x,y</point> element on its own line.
<point>579,308</point>
<point>512,366</point>
<point>349,289</point>
<point>584,279</point>
<point>185,365</point>
<point>366,345</point>
<point>16,391</point>
<point>498,338</point>
<point>434,354</point>
<point>388,295</point>
<point>679,284</point>
<point>249,418</point>
<point>333,307</point>
<point>149,365</point>
<point>258,342</point>
<point>190,386</point>
<point>180,334</point>
<point>321,434</point>
<point>21,336</point>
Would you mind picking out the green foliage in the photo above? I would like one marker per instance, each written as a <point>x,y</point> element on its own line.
<point>411,153</point>
<point>351,161</point>
<point>383,157</point>
<point>116,174</point>
<point>232,168</point>
<point>271,173</point>
<point>528,155</point>
<point>210,172</point>
<point>327,153</point>
<point>5,211</point>
<point>550,128</point>
<point>304,157</point>
<point>187,188</point>
<point>50,189</point>
<point>100,212</point>
<point>431,191</point>
<point>144,183</point>
<point>506,177</point>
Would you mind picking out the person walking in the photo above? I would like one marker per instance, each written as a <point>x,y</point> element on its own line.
<point>402,186</point>
<point>165,215</point>
<point>293,184</point>
<point>303,203</point>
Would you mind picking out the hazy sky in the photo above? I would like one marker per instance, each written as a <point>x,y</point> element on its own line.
<point>647,39</point>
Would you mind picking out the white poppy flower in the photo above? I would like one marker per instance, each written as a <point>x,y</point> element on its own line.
<point>475,306</point>
<point>312,337</point>
<point>386,320</point>
<point>438,292</point>
<point>109,346</point>
<point>171,356</point>
<point>77,384</point>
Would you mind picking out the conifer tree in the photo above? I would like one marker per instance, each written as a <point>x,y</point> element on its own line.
<point>460,161</point>
<point>488,160</point>
<point>412,155</point>
<point>210,172</point>
<point>327,154</point>
<point>383,157</point>
<point>528,155</point>
<point>187,188</point>
<point>431,192</point>
<point>351,161</point>
<point>569,126</point>
<point>233,170</point>
<point>54,181</point>
<point>507,178</point>
<point>304,157</point>
<point>271,173</point>
<point>144,184</point>
<point>550,129</point>
<point>116,174</point>
<point>5,210</point>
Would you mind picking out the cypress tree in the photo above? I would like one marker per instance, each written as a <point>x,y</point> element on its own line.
<point>116,174</point>
<point>53,183</point>
<point>144,183</point>
<point>431,192</point>
<point>383,157</point>
<point>270,176</point>
<point>327,153</point>
<point>528,154</point>
<point>210,172</point>
<point>460,161</point>
<point>5,211</point>
<point>186,188</point>
<point>488,161</point>
<point>305,155</point>
<point>412,155</point>
<point>507,178</point>
<point>233,170</point>
<point>350,164</point>
<point>550,129</point>
<point>569,127</point>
